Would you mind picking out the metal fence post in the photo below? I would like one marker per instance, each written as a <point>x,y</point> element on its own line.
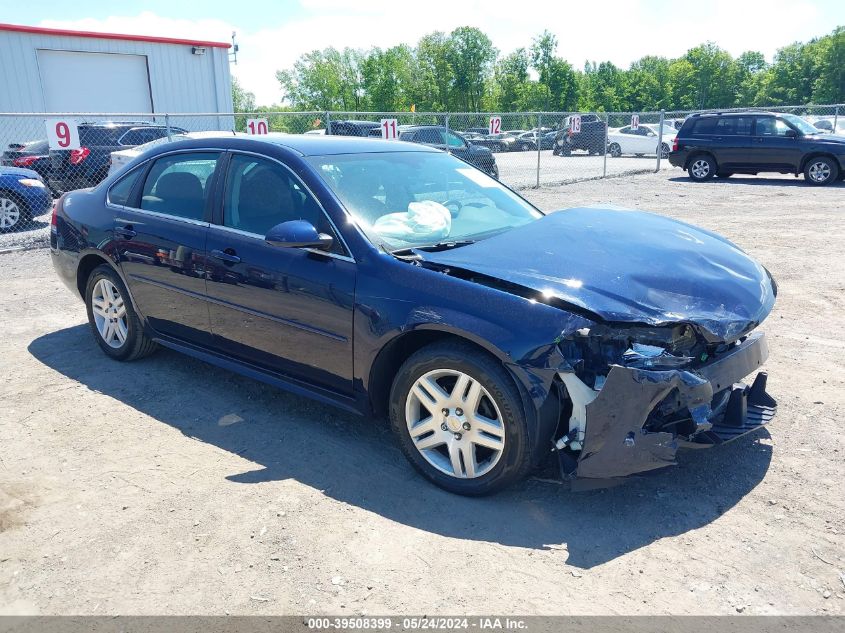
<point>328,122</point>
<point>167,125</point>
<point>604,153</point>
<point>835,118</point>
<point>660,141</point>
<point>446,122</point>
<point>539,144</point>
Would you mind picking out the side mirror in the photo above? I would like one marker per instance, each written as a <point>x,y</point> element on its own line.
<point>298,234</point>
<point>791,134</point>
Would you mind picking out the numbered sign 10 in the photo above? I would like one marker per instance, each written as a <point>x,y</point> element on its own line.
<point>390,129</point>
<point>635,121</point>
<point>257,126</point>
<point>495,125</point>
<point>62,133</point>
<point>575,124</point>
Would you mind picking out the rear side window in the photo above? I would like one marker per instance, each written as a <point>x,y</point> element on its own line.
<point>704,126</point>
<point>724,126</point>
<point>430,136</point>
<point>140,136</point>
<point>179,184</point>
<point>100,135</point>
<point>121,190</point>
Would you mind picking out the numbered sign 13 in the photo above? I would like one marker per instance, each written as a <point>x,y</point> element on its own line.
<point>256,126</point>
<point>62,133</point>
<point>575,124</point>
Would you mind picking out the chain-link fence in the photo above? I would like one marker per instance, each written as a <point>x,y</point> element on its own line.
<point>66,151</point>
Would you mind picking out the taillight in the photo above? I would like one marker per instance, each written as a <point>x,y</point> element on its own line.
<point>25,161</point>
<point>78,155</point>
<point>675,144</point>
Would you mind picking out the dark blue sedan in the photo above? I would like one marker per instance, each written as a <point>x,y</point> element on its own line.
<point>23,195</point>
<point>394,280</point>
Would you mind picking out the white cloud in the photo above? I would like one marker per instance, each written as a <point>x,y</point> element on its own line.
<point>627,31</point>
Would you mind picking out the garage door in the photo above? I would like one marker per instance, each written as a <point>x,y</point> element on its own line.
<point>94,82</point>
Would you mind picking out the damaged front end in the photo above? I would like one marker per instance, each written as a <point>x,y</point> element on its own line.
<point>632,405</point>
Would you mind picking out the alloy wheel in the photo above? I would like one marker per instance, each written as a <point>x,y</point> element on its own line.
<point>109,312</point>
<point>819,171</point>
<point>10,213</point>
<point>701,168</point>
<point>455,424</point>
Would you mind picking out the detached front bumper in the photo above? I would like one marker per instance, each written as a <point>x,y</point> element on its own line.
<point>689,408</point>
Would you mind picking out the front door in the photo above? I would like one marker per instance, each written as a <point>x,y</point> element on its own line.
<point>284,309</point>
<point>776,145</point>
<point>160,236</point>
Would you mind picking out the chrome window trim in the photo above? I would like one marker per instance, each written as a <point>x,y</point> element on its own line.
<point>165,216</point>
<point>306,188</point>
<point>260,238</point>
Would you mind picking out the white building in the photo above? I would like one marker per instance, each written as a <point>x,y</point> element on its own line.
<point>52,70</point>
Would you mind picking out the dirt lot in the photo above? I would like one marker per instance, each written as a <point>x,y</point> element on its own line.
<point>169,486</point>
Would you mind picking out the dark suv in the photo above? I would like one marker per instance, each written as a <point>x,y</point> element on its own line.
<point>88,165</point>
<point>592,138</point>
<point>441,138</point>
<point>723,144</point>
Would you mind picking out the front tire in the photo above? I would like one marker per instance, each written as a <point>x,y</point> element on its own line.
<point>701,168</point>
<point>821,171</point>
<point>459,421</point>
<point>13,212</point>
<point>112,317</point>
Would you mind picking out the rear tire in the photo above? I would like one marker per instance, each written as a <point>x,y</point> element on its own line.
<point>821,171</point>
<point>114,322</point>
<point>702,167</point>
<point>473,452</point>
<point>615,150</point>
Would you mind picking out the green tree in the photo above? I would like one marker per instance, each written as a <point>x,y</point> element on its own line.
<point>510,79</point>
<point>471,56</point>
<point>554,73</point>
<point>387,78</point>
<point>714,76</point>
<point>242,100</point>
<point>434,72</point>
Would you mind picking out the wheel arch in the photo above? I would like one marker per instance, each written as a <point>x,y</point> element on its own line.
<point>87,263</point>
<point>819,154</point>
<point>700,152</point>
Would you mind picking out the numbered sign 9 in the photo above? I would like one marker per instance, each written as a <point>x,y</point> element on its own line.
<point>495,125</point>
<point>256,126</point>
<point>390,129</point>
<point>575,124</point>
<point>635,121</point>
<point>62,133</point>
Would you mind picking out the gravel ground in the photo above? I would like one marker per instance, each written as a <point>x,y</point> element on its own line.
<point>169,486</point>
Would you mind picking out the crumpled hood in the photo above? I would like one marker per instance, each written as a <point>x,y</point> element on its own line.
<point>627,267</point>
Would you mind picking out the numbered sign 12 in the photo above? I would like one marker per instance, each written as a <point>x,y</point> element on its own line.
<point>635,121</point>
<point>575,124</point>
<point>62,133</point>
<point>390,129</point>
<point>495,125</point>
<point>256,126</point>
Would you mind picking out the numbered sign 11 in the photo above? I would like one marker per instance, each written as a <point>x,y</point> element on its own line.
<point>62,133</point>
<point>575,124</point>
<point>257,126</point>
<point>635,121</point>
<point>495,125</point>
<point>390,129</point>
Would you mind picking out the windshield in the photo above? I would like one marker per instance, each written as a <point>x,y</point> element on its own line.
<point>406,199</point>
<point>800,124</point>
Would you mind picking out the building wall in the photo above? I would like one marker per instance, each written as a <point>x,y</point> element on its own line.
<point>180,81</point>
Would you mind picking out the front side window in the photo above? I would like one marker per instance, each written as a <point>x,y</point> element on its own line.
<point>454,140</point>
<point>770,126</point>
<point>180,184</point>
<point>405,199</point>
<point>261,193</point>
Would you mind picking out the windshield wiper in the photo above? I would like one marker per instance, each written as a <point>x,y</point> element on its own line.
<point>438,246</point>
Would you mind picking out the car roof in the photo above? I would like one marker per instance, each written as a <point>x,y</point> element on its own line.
<point>310,144</point>
<point>743,113</point>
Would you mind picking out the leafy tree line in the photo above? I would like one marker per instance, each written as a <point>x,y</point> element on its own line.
<point>463,71</point>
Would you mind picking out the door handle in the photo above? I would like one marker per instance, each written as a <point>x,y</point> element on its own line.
<point>126,231</point>
<point>229,258</point>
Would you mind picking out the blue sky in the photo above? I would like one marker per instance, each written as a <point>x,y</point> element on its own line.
<point>273,34</point>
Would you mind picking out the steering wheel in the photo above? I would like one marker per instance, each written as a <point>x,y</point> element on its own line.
<point>457,203</point>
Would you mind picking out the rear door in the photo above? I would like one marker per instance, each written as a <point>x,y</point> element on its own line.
<point>773,147</point>
<point>284,309</point>
<point>732,136</point>
<point>160,231</point>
